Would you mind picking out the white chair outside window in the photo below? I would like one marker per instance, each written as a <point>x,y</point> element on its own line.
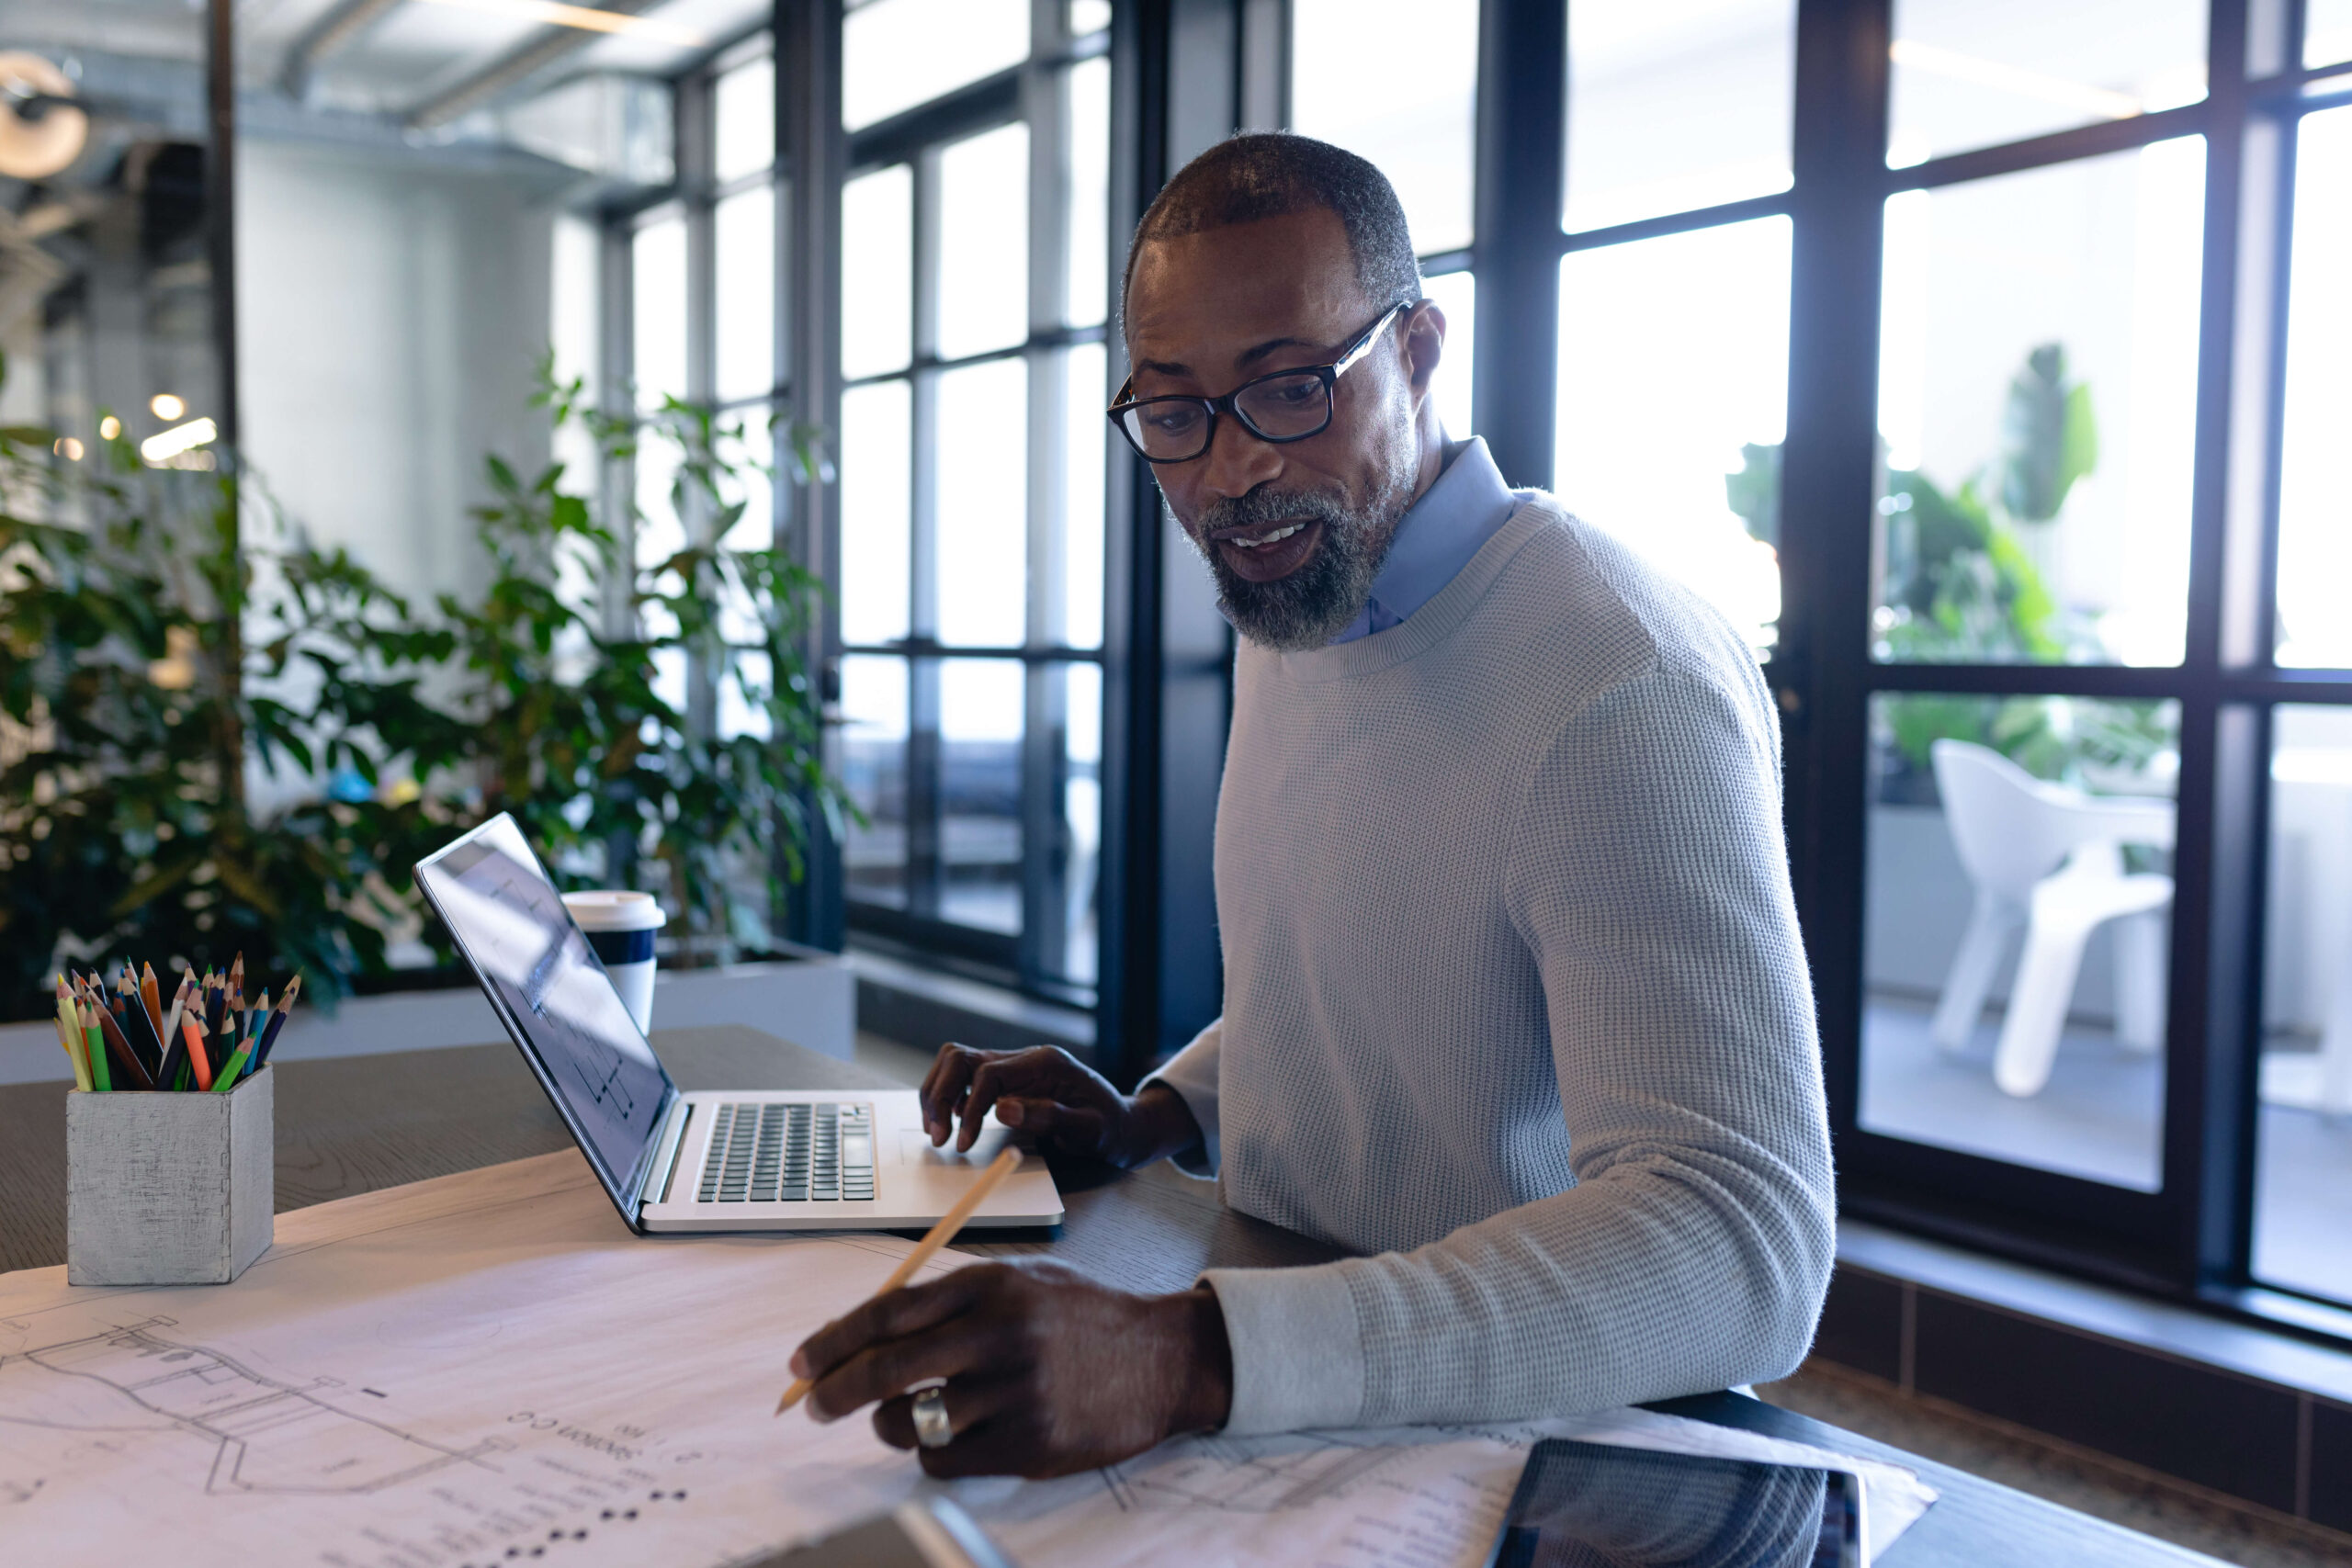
<point>2048,862</point>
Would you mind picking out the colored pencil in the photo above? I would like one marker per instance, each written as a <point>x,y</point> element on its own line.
<point>277,1020</point>
<point>152,998</point>
<point>69,1034</point>
<point>175,1049</point>
<point>199,1064</point>
<point>94,1044</point>
<point>244,1059</point>
<point>131,1012</point>
<point>125,1070</point>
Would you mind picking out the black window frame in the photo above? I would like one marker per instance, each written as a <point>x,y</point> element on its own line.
<point>1035,961</point>
<point>2192,1239</point>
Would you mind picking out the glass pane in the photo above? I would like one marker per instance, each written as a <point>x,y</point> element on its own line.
<point>1674,372</point>
<point>741,714</point>
<point>872,738</point>
<point>1082,819</point>
<point>1672,108</point>
<point>668,681</point>
<point>2037,402</point>
<point>1968,74</point>
<point>743,106</point>
<point>575,338</point>
<point>2015,938</point>
<point>2327,31</point>
<point>875,523</point>
<point>743,231</point>
<point>659,532</point>
<point>984,242</point>
<point>1457,294</point>
<point>983,458</point>
<point>755,454</point>
<point>1090,193</point>
<point>877,271</point>
<point>979,792</point>
<point>898,53</point>
<point>2302,1210</point>
<point>658,307</point>
<point>1082,586</point>
<point>2315,508</point>
<point>1349,85</point>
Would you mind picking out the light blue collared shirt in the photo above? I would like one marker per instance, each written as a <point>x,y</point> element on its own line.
<point>1436,537</point>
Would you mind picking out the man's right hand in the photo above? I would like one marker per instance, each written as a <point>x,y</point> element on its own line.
<point>1055,1102</point>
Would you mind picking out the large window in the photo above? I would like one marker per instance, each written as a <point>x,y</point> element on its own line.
<point>1420,133</point>
<point>669,295</point>
<point>2067,839</point>
<point>1986,365</point>
<point>972,441</point>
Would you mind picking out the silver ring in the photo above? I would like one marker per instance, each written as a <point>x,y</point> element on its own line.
<point>933,1428</point>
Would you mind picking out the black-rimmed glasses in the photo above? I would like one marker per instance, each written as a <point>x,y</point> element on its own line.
<point>1285,405</point>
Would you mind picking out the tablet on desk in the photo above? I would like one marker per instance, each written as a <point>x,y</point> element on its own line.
<point>1588,1505</point>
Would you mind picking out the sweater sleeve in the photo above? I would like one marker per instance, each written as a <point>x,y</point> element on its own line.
<point>1648,877</point>
<point>1192,1073</point>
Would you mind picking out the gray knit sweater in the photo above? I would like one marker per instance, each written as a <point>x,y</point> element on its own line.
<point>1515,1001</point>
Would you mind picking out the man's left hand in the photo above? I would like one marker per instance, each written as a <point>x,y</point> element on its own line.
<point>1048,1372</point>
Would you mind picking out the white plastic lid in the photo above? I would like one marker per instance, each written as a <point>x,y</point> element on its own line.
<point>615,910</point>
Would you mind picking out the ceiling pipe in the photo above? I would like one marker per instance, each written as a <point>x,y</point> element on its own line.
<point>336,31</point>
<point>551,45</point>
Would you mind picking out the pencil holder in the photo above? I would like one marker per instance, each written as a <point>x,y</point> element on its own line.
<point>169,1188</point>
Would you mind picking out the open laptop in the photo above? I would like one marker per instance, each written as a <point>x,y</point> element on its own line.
<point>711,1160</point>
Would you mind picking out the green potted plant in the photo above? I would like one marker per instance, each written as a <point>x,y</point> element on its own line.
<point>167,640</point>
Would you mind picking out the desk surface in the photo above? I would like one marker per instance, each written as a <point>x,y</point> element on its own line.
<point>354,1125</point>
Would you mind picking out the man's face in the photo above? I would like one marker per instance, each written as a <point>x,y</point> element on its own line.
<point>1294,533</point>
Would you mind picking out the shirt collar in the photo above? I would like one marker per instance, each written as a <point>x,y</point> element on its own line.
<point>1467,505</point>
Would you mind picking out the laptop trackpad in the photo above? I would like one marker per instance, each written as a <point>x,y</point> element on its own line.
<point>914,1147</point>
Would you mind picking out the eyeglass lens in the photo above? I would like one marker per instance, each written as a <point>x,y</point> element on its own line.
<point>1281,408</point>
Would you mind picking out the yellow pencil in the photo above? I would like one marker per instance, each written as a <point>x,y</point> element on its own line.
<point>941,1234</point>
<point>81,1073</point>
<point>69,1034</point>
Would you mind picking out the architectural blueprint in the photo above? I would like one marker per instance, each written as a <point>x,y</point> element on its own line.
<point>489,1369</point>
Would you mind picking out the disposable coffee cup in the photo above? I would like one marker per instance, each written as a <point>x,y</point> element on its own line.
<point>620,927</point>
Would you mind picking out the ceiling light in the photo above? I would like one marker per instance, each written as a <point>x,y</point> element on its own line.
<point>69,448</point>
<point>1950,63</point>
<point>166,407</point>
<point>587,19</point>
<point>41,131</point>
<point>178,439</point>
<point>109,427</point>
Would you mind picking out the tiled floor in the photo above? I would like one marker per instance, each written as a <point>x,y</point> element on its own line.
<point>2089,1483</point>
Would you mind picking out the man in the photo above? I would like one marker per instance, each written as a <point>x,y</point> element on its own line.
<point>1515,1002</point>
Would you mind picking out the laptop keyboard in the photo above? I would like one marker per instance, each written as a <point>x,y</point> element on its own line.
<point>790,1154</point>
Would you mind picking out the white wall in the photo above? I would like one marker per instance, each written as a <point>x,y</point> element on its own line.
<point>391,307</point>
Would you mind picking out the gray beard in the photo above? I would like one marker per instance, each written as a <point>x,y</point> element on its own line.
<point>1312,606</point>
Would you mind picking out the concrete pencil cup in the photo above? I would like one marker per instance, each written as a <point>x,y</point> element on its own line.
<point>169,1188</point>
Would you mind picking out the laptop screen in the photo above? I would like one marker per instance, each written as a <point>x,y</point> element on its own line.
<point>548,987</point>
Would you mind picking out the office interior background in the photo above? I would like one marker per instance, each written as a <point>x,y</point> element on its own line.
<point>1987,363</point>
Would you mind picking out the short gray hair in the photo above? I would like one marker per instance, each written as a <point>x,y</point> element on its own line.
<point>1271,173</point>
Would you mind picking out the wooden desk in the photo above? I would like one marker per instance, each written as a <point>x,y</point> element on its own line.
<point>352,1126</point>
